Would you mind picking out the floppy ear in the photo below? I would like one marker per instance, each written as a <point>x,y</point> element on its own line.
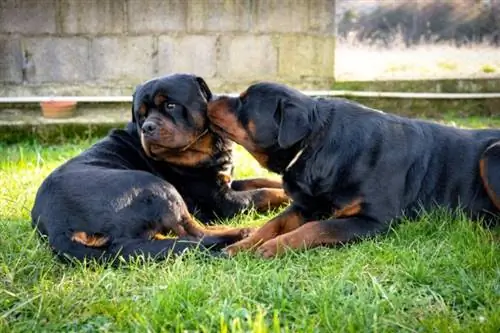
<point>294,123</point>
<point>204,88</point>
<point>133,103</point>
<point>133,113</point>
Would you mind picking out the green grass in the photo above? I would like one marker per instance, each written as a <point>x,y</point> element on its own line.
<point>488,69</point>
<point>440,274</point>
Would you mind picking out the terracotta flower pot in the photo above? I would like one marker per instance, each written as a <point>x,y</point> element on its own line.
<point>58,109</point>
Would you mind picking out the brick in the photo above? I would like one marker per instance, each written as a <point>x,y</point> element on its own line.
<point>281,16</point>
<point>58,59</point>
<point>28,16</point>
<point>247,57</point>
<point>322,17</point>
<point>11,61</point>
<point>190,54</point>
<point>306,56</point>
<point>123,58</point>
<point>156,15</point>
<point>219,15</point>
<point>93,16</point>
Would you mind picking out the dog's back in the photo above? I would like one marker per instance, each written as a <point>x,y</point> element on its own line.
<point>410,164</point>
<point>103,202</point>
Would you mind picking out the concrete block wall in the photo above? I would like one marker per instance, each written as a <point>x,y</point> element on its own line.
<point>106,47</point>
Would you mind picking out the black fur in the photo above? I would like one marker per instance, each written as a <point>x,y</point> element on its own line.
<point>391,165</point>
<point>114,191</point>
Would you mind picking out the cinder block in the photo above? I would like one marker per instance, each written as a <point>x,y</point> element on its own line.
<point>302,55</point>
<point>281,16</point>
<point>59,59</point>
<point>190,54</point>
<point>28,16</point>
<point>92,16</point>
<point>322,16</point>
<point>123,58</point>
<point>219,15</point>
<point>156,15</point>
<point>249,57</point>
<point>11,61</point>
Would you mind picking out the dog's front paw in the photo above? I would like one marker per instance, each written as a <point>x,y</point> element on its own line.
<point>233,249</point>
<point>247,232</point>
<point>270,249</point>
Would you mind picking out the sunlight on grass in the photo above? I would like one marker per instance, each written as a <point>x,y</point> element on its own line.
<point>426,61</point>
<point>440,274</point>
<point>488,69</point>
<point>446,65</point>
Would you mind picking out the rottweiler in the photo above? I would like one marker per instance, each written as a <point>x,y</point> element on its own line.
<point>123,195</point>
<point>351,170</point>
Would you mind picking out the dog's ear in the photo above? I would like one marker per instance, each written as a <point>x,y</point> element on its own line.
<point>133,113</point>
<point>204,88</point>
<point>133,102</point>
<point>294,123</point>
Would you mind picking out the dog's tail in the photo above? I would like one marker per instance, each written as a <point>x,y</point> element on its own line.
<point>129,249</point>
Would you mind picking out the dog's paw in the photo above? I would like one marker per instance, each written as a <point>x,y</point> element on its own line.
<point>247,232</point>
<point>233,249</point>
<point>270,249</point>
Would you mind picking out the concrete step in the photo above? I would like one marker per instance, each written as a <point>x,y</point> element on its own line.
<point>85,113</point>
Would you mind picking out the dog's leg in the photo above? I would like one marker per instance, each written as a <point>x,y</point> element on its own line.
<point>90,240</point>
<point>255,183</point>
<point>67,249</point>
<point>189,227</point>
<point>262,200</point>
<point>327,232</point>
<point>259,193</point>
<point>285,222</point>
<point>489,167</point>
<point>265,199</point>
<point>230,203</point>
<point>130,249</point>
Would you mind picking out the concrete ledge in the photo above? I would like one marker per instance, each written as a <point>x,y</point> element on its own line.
<point>110,89</point>
<point>116,113</point>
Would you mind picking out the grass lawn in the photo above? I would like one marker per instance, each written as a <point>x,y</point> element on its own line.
<point>440,274</point>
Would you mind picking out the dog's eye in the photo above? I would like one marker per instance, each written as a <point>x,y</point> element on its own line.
<point>169,106</point>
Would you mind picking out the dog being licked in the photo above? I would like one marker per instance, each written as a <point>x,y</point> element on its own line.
<point>351,170</point>
<point>126,192</point>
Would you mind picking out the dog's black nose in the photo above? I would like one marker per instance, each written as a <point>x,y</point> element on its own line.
<point>149,127</point>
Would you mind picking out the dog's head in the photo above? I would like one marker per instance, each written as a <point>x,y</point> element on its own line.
<point>170,115</point>
<point>269,120</point>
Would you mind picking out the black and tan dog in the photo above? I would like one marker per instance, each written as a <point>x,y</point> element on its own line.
<point>350,170</point>
<point>125,193</point>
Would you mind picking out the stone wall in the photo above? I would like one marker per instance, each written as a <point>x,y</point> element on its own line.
<point>106,47</point>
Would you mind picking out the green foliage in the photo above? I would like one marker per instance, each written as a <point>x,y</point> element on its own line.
<point>440,274</point>
<point>488,69</point>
